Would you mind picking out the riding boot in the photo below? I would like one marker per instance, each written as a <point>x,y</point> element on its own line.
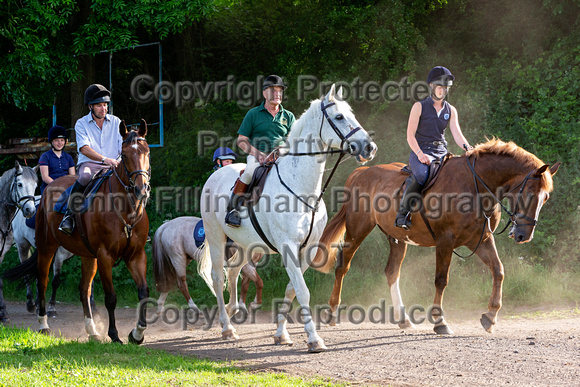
<point>67,225</point>
<point>233,217</point>
<point>410,195</point>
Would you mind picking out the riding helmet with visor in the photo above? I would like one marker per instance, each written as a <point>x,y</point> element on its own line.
<point>440,75</point>
<point>57,132</point>
<point>224,153</point>
<point>273,80</point>
<point>96,94</point>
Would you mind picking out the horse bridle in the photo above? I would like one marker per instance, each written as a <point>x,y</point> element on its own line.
<point>512,215</point>
<point>342,137</point>
<point>15,203</point>
<point>128,188</point>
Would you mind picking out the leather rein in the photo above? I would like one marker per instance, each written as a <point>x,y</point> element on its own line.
<point>512,216</point>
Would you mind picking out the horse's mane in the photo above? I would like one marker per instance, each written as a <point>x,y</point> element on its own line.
<point>132,137</point>
<point>298,126</point>
<point>520,155</point>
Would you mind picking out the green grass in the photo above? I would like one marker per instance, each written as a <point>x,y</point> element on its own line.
<point>28,358</point>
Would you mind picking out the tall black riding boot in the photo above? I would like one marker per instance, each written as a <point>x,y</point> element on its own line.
<point>67,225</point>
<point>233,217</point>
<point>411,194</point>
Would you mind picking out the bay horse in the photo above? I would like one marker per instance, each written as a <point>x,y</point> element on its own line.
<point>24,239</point>
<point>116,227</point>
<point>290,213</point>
<point>17,186</point>
<point>462,208</point>
<point>174,248</point>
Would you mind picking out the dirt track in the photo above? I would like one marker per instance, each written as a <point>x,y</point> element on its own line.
<point>539,351</point>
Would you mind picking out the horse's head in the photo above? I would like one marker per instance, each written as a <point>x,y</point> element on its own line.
<point>22,189</point>
<point>342,130</point>
<point>135,159</point>
<point>534,191</point>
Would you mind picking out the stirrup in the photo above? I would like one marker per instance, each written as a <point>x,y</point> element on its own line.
<point>67,225</point>
<point>233,219</point>
<point>403,222</point>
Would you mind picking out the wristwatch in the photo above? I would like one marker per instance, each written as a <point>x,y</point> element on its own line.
<point>103,160</point>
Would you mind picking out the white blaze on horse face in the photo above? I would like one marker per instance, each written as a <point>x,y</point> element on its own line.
<point>541,200</point>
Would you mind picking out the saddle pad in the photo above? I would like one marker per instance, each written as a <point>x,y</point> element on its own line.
<point>61,204</point>
<point>199,234</point>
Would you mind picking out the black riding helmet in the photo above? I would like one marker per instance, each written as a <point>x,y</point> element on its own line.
<point>273,80</point>
<point>96,93</point>
<point>440,75</point>
<point>57,132</point>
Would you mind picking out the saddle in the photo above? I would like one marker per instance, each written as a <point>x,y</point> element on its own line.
<point>434,170</point>
<point>61,204</point>
<point>256,186</point>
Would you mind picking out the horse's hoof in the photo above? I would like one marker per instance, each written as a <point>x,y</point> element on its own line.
<point>316,347</point>
<point>96,338</point>
<point>230,335</point>
<point>115,339</point>
<point>45,331</point>
<point>407,324</point>
<point>255,305</point>
<point>133,340</point>
<point>329,318</point>
<point>30,307</point>
<point>486,323</point>
<point>282,340</point>
<point>443,330</point>
<point>51,313</point>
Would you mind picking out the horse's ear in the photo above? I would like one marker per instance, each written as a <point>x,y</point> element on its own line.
<point>339,94</point>
<point>123,129</point>
<point>17,166</point>
<point>36,168</point>
<point>541,170</point>
<point>143,128</point>
<point>330,96</point>
<point>555,167</point>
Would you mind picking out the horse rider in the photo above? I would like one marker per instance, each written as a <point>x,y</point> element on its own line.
<point>223,156</point>
<point>426,137</point>
<point>98,143</point>
<point>264,128</point>
<point>55,162</point>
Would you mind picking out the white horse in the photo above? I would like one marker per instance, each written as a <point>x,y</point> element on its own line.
<point>174,248</point>
<point>285,211</point>
<point>17,186</point>
<point>24,240</point>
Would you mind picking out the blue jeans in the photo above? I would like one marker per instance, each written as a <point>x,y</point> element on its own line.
<point>420,170</point>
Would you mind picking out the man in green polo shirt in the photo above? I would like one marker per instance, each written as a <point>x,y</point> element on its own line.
<point>264,128</point>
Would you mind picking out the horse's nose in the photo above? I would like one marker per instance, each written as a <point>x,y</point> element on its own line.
<point>142,192</point>
<point>520,237</point>
<point>353,148</point>
<point>370,150</point>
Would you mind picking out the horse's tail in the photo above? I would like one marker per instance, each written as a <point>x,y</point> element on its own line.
<point>26,273</point>
<point>163,270</point>
<point>204,266</point>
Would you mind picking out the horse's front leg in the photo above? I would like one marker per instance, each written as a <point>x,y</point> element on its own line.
<point>217,257</point>
<point>444,251</point>
<point>488,254</point>
<point>393,272</point>
<point>291,260</point>
<point>24,254</point>
<point>137,266</point>
<point>88,271</point>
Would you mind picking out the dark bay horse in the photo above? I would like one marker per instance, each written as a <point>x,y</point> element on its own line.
<point>116,227</point>
<point>459,210</point>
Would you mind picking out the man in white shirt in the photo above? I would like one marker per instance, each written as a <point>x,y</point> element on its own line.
<point>98,143</point>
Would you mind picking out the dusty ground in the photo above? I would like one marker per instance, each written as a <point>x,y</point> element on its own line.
<point>542,349</point>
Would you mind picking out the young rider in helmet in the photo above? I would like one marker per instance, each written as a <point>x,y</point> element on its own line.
<point>426,137</point>
<point>223,156</point>
<point>264,128</point>
<point>55,163</point>
<point>98,142</point>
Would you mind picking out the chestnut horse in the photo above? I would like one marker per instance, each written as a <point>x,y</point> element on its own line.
<point>456,214</point>
<point>116,227</point>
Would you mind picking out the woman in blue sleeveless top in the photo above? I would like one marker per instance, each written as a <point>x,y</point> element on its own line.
<point>426,137</point>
